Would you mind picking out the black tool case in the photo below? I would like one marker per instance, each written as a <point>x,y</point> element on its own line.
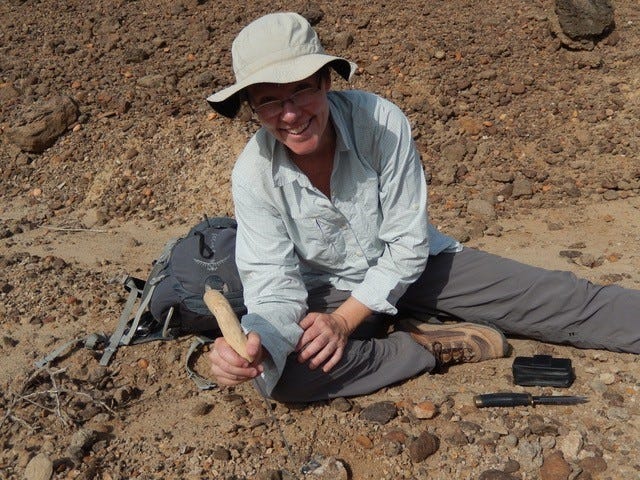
<point>543,370</point>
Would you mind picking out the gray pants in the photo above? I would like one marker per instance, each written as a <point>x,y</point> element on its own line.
<point>472,286</point>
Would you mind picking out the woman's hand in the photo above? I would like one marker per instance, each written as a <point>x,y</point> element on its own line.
<point>325,335</point>
<point>228,368</point>
<point>324,339</point>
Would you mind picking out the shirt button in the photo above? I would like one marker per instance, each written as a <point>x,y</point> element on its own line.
<point>358,254</point>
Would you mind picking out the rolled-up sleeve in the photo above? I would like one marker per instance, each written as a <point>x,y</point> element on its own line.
<point>274,292</point>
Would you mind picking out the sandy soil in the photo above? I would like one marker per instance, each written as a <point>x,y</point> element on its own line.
<point>531,150</point>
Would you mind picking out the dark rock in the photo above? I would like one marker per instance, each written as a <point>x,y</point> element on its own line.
<point>539,426</point>
<point>135,55</point>
<point>201,408</point>
<point>42,125</point>
<point>9,341</point>
<point>221,453</point>
<point>312,12</point>
<point>511,466</point>
<point>380,412</point>
<point>270,475</point>
<point>570,253</point>
<point>613,399</point>
<point>495,475</point>
<point>581,19</point>
<point>422,447</point>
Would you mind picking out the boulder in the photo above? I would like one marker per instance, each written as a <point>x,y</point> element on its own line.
<point>41,125</point>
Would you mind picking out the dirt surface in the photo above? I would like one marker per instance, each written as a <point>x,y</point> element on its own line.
<point>531,150</point>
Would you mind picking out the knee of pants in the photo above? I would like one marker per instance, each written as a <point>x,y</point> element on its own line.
<point>414,357</point>
<point>379,363</point>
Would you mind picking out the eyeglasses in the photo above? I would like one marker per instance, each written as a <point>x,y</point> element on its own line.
<point>274,108</point>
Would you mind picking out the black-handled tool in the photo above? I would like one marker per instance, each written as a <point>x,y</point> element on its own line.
<point>511,399</point>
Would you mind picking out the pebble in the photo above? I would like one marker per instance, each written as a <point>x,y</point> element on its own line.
<point>221,453</point>
<point>269,475</point>
<point>425,410</point>
<point>540,426</point>
<point>341,404</point>
<point>598,386</point>
<point>39,467</point>
<point>510,440</point>
<point>201,408</point>
<point>555,467</point>
<point>511,466</point>
<point>608,378</point>
<point>380,412</point>
<point>481,208</point>
<point>617,413</point>
<point>595,464</point>
<point>454,152</point>
<point>613,399</point>
<point>571,444</point>
<point>392,449</point>
<point>518,88</point>
<point>364,441</point>
<point>83,438</point>
<point>329,468</point>
<point>423,446</point>
<point>522,187</point>
<point>397,436</point>
<point>455,436</point>
<point>143,363</point>
<point>530,451</point>
<point>470,126</point>
<point>495,475</point>
<point>151,81</point>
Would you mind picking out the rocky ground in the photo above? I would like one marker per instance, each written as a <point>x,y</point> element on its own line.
<point>530,142</point>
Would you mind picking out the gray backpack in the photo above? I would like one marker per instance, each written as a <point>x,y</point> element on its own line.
<point>169,304</point>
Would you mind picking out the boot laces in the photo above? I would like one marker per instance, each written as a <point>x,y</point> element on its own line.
<point>451,353</point>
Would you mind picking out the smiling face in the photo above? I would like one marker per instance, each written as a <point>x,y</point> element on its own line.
<point>296,114</point>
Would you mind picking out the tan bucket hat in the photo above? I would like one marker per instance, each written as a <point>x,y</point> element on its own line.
<point>277,48</point>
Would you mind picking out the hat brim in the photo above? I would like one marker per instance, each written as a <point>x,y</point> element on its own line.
<point>227,101</point>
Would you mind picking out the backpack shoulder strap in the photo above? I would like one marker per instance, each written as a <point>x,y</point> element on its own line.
<point>201,382</point>
<point>114,341</point>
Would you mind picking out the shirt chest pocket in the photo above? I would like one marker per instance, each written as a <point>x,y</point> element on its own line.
<point>319,241</point>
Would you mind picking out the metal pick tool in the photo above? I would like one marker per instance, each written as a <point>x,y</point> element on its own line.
<point>512,399</point>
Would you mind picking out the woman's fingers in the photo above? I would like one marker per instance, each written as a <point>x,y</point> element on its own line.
<point>229,368</point>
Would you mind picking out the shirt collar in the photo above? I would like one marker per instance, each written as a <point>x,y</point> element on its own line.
<point>283,169</point>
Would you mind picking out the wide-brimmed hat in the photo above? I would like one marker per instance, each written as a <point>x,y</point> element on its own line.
<point>277,48</point>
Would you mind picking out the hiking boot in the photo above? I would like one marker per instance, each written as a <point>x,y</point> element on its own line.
<point>458,342</point>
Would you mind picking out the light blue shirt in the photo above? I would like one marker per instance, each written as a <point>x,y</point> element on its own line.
<point>371,238</point>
